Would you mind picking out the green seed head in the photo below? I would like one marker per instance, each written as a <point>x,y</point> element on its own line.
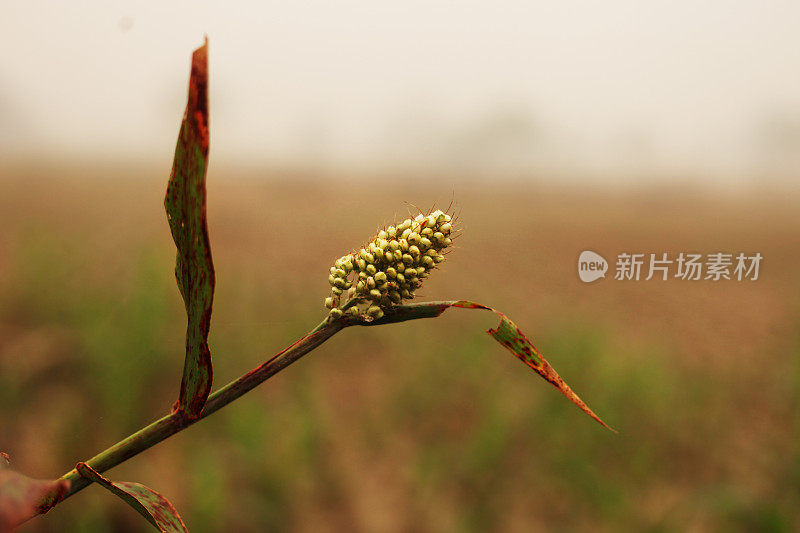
<point>391,266</point>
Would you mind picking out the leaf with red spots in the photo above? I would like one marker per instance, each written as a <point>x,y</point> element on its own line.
<point>509,335</point>
<point>22,498</point>
<point>150,504</point>
<point>185,204</point>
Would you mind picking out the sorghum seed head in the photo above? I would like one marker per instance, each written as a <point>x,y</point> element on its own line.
<point>391,266</point>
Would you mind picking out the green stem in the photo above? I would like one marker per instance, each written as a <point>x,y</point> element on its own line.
<point>172,423</point>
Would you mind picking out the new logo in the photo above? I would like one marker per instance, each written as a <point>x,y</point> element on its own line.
<point>591,266</point>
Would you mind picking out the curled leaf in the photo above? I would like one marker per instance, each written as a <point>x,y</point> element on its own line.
<point>147,502</point>
<point>185,204</point>
<point>22,498</point>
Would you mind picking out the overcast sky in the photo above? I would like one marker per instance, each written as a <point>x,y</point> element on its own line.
<point>669,87</point>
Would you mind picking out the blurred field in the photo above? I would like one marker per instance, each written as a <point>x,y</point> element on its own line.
<point>425,426</point>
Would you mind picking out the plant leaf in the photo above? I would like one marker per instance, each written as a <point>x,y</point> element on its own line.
<point>185,204</point>
<point>509,335</point>
<point>22,498</point>
<point>147,502</point>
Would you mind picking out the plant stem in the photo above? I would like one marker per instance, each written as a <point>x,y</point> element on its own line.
<point>172,423</point>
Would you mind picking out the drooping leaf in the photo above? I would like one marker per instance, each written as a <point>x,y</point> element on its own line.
<point>507,333</point>
<point>22,497</point>
<point>185,204</point>
<point>147,502</point>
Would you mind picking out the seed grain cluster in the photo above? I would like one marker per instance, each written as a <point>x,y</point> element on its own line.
<point>391,267</point>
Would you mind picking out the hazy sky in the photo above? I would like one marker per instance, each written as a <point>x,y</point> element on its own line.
<point>597,87</point>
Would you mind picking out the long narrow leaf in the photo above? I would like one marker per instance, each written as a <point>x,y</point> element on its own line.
<point>507,333</point>
<point>147,502</point>
<point>185,204</point>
